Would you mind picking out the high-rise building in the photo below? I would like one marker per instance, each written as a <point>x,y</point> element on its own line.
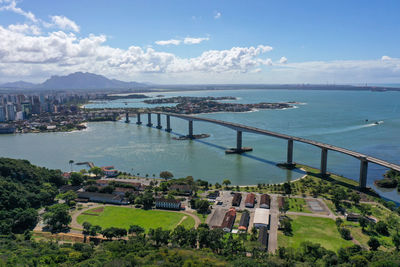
<point>26,109</point>
<point>10,109</point>
<point>2,114</point>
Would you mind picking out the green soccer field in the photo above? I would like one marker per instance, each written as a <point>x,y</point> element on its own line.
<point>124,217</point>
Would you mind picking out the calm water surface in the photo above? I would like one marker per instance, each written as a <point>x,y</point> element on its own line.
<point>334,117</point>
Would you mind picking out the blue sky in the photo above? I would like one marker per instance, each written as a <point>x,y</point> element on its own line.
<point>203,41</point>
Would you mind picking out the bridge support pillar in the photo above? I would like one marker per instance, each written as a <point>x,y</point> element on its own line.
<point>127,117</point>
<point>190,135</point>
<point>289,160</point>
<point>168,129</point>
<point>239,141</point>
<point>149,120</point>
<point>159,121</point>
<point>324,161</point>
<point>363,172</point>
<point>138,122</point>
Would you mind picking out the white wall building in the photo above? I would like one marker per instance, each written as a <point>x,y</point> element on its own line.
<point>261,218</point>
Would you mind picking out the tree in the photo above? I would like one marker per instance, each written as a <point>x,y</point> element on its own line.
<point>94,230</point>
<point>345,233</point>
<point>147,200</point>
<point>159,236</point>
<point>338,221</point>
<point>226,182</point>
<point>287,226</point>
<point>382,228</point>
<point>355,198</point>
<point>396,240</point>
<point>285,207</point>
<point>218,186</point>
<point>338,195</point>
<point>135,229</point>
<point>86,230</point>
<point>76,178</point>
<point>70,163</point>
<point>373,243</point>
<point>57,217</point>
<point>96,171</point>
<point>287,188</point>
<point>202,206</point>
<point>179,236</point>
<point>363,222</point>
<point>166,175</point>
<point>68,197</point>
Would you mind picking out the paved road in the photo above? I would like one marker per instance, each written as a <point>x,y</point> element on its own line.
<point>273,225</point>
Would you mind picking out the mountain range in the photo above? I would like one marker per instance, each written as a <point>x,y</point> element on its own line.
<point>77,80</point>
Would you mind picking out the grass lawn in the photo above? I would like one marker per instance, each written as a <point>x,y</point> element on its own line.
<point>298,205</point>
<point>313,229</point>
<point>124,217</point>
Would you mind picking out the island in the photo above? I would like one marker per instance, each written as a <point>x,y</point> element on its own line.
<point>197,105</point>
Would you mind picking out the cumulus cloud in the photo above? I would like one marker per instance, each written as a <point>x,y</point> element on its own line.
<point>386,58</point>
<point>217,15</point>
<point>25,28</point>
<point>63,23</point>
<point>192,40</point>
<point>168,42</point>
<point>11,5</point>
<point>283,60</point>
<point>61,51</point>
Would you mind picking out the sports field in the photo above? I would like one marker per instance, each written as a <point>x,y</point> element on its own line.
<point>123,217</point>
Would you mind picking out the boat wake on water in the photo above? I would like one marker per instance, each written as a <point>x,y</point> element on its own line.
<point>348,129</point>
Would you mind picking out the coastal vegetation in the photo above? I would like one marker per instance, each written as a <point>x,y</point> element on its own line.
<point>24,188</point>
<point>391,179</point>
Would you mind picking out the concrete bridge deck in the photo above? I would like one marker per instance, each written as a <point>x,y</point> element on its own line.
<point>245,128</point>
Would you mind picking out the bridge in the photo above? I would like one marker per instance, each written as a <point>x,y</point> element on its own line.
<point>240,128</point>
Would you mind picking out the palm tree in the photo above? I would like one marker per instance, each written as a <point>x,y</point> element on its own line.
<point>70,163</point>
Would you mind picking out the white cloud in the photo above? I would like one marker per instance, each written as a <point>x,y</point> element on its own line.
<point>25,28</point>
<point>62,52</point>
<point>217,15</point>
<point>283,60</point>
<point>386,58</point>
<point>63,23</point>
<point>11,5</point>
<point>168,42</point>
<point>192,40</point>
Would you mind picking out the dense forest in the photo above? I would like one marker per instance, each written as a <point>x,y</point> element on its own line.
<point>24,188</point>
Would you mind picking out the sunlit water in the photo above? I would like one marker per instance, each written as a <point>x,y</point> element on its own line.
<point>334,117</point>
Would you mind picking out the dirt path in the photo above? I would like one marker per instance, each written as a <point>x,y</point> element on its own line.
<point>183,218</point>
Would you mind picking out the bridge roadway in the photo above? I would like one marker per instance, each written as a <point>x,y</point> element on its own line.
<point>245,128</point>
<point>364,159</point>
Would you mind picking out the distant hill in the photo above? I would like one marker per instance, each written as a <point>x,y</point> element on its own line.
<point>19,84</point>
<point>77,80</point>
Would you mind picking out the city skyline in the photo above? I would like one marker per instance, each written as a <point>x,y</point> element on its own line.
<point>183,42</point>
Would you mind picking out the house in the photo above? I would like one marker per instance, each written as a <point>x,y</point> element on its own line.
<point>102,198</point>
<point>66,188</point>
<point>123,190</point>
<point>66,175</point>
<point>261,218</point>
<point>354,217</point>
<point>263,236</point>
<point>244,221</point>
<point>109,171</point>
<point>265,201</point>
<point>281,202</point>
<point>213,195</point>
<point>250,200</point>
<point>169,204</point>
<point>237,198</point>
<point>182,189</point>
<point>229,220</point>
